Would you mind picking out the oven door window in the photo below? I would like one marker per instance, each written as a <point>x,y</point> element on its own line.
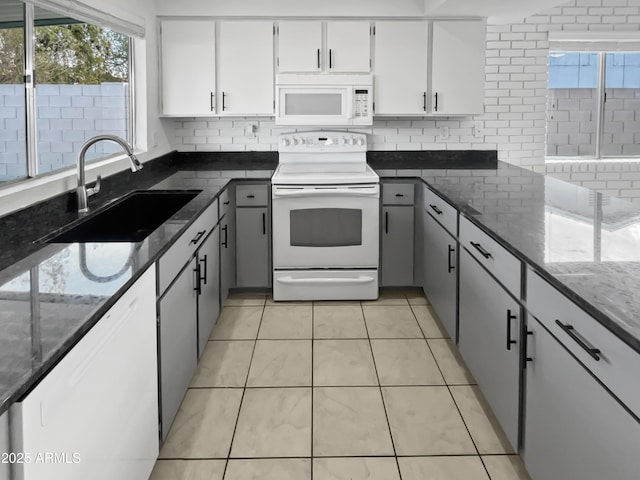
<point>326,227</point>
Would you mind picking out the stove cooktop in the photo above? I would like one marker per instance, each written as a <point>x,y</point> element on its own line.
<point>287,174</point>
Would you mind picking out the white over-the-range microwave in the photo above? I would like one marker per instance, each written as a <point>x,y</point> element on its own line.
<point>325,100</point>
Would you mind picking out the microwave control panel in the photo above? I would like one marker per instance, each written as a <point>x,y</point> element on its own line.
<point>361,102</point>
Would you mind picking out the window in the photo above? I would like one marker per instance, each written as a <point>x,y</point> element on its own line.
<point>593,108</point>
<point>82,89</point>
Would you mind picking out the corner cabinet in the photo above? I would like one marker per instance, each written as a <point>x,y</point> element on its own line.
<point>458,67</point>
<point>98,407</point>
<point>400,66</point>
<point>188,65</point>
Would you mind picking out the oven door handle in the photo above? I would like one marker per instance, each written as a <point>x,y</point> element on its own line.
<point>327,192</point>
<point>322,281</point>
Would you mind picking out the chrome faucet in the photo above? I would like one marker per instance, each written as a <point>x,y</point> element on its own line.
<point>83,193</point>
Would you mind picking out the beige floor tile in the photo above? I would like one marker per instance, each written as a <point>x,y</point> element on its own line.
<point>245,299</point>
<point>286,322</point>
<point>391,297</point>
<point>272,303</point>
<point>274,422</point>
<point>343,362</point>
<point>442,468</point>
<point>416,297</point>
<point>339,321</point>
<point>430,325</point>
<point>336,303</point>
<point>405,362</point>
<point>224,364</point>
<point>269,469</point>
<point>237,323</point>
<point>360,468</point>
<point>279,363</point>
<point>482,424</point>
<point>391,322</point>
<point>505,467</point>
<point>204,425</point>
<point>188,470</point>
<point>349,421</point>
<point>451,364</point>
<point>425,421</point>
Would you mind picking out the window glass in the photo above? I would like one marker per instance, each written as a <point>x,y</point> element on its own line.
<point>82,88</point>
<point>13,147</point>
<point>621,136</point>
<point>572,104</point>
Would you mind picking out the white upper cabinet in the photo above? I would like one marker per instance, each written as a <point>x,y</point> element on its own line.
<point>188,67</point>
<point>400,66</point>
<point>457,68</point>
<point>348,46</point>
<point>299,46</point>
<point>245,67</point>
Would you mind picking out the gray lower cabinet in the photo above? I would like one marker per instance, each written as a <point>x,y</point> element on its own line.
<point>489,329</point>
<point>397,246</point>
<point>4,446</point>
<point>252,247</point>
<point>208,287</point>
<point>178,312</point>
<point>440,271</point>
<point>574,429</point>
<point>227,255</point>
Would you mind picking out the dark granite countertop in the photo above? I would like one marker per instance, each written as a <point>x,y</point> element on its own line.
<point>52,294</point>
<point>583,242</point>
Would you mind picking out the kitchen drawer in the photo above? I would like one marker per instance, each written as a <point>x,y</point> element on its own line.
<point>252,195</point>
<point>618,364</point>
<point>495,258</point>
<point>183,249</point>
<point>443,212</point>
<point>225,201</point>
<point>397,193</point>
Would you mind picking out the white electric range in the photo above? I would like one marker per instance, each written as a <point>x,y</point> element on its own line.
<point>326,216</point>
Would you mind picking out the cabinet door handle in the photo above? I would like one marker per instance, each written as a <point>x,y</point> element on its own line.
<point>386,222</point>
<point>223,105</point>
<point>482,251</point>
<point>203,261</point>
<point>424,101</point>
<point>436,209</point>
<point>330,59</point>
<point>527,358</point>
<point>318,59</point>
<point>569,330</point>
<point>196,272</point>
<point>450,265</point>
<point>510,318</point>
<point>198,236</point>
<point>435,106</point>
<point>264,223</point>
<point>212,103</point>
<point>224,243</point>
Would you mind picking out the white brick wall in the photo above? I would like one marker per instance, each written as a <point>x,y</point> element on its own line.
<point>514,122</point>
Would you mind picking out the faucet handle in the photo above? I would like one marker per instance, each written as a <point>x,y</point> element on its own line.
<point>96,188</point>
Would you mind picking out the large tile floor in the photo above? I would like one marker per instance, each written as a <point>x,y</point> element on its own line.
<point>334,391</point>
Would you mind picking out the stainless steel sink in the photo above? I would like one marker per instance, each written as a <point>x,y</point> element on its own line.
<point>131,219</point>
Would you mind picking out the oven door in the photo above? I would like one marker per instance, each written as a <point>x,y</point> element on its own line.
<point>326,226</point>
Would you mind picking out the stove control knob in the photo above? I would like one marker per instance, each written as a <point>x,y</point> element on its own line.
<point>329,141</point>
<point>361,141</point>
<point>343,141</point>
<point>295,141</point>
<point>303,141</point>
<point>285,142</point>
<point>352,141</point>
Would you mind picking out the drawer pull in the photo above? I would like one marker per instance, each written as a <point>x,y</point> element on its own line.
<point>450,265</point>
<point>482,251</point>
<point>436,209</point>
<point>399,194</point>
<point>510,318</point>
<point>251,195</point>
<point>198,236</point>
<point>226,203</point>
<point>569,330</point>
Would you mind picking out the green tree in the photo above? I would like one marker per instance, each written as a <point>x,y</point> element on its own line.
<point>74,53</point>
